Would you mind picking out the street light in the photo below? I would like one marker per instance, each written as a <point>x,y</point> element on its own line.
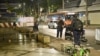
<point>19,5</point>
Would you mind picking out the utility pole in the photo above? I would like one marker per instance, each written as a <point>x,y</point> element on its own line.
<point>87,13</point>
<point>38,9</point>
<point>63,4</point>
<point>48,6</point>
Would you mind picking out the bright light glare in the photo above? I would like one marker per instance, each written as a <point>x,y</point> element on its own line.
<point>71,13</point>
<point>20,36</point>
<point>21,19</point>
<point>54,18</point>
<point>53,50</point>
<point>25,19</point>
<point>19,5</point>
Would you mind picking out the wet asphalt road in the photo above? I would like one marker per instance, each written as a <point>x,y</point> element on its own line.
<point>89,34</point>
<point>33,48</point>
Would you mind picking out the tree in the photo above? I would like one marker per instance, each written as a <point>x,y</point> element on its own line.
<point>52,5</point>
<point>35,5</point>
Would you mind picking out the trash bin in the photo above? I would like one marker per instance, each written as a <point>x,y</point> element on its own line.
<point>97,35</point>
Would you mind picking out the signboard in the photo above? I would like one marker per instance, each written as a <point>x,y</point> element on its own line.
<point>26,21</point>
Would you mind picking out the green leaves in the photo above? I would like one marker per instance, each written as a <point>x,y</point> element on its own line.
<point>51,5</point>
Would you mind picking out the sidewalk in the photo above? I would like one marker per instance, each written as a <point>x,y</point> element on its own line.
<point>56,43</point>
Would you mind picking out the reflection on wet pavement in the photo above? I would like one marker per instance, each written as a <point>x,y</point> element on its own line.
<point>16,44</point>
<point>27,49</point>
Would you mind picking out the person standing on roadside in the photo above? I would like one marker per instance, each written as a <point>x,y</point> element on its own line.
<point>60,25</point>
<point>14,25</point>
<point>35,27</point>
<point>77,26</point>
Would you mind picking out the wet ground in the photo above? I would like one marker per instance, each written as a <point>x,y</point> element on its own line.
<point>13,43</point>
<point>21,48</point>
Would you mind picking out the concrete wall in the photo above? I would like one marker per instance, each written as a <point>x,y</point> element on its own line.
<point>94,17</point>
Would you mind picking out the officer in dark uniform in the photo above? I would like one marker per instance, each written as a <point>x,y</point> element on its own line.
<point>77,26</point>
<point>60,25</point>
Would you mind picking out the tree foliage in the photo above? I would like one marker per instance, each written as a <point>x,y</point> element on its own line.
<point>35,5</point>
<point>51,4</point>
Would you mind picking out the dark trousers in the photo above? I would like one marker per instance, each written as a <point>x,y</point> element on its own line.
<point>35,28</point>
<point>59,32</point>
<point>68,32</point>
<point>76,35</point>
